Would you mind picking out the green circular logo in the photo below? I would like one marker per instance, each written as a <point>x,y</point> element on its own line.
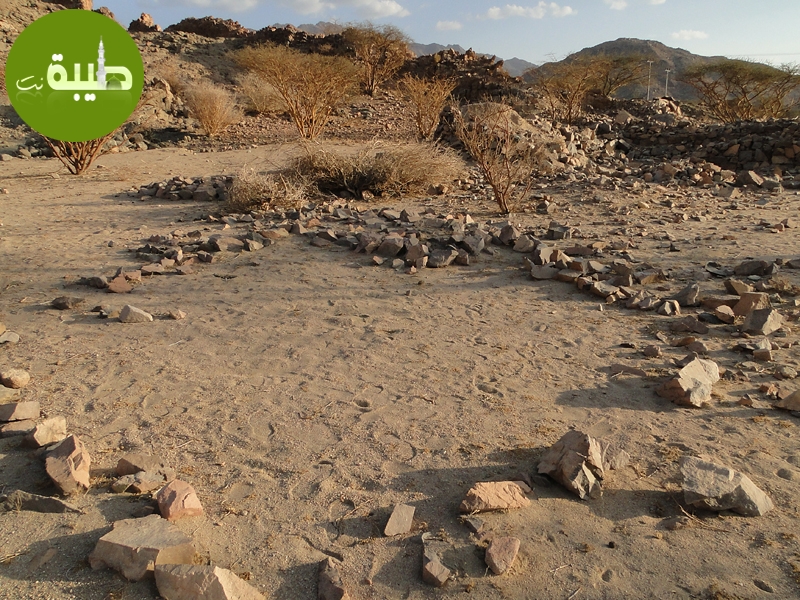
<point>74,75</point>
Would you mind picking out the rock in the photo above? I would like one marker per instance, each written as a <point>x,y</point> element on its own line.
<point>7,395</point>
<point>790,402</point>
<point>715,487</point>
<point>178,500</point>
<point>474,244</point>
<point>177,315</point>
<point>119,285</point>
<point>9,337</point>
<point>144,24</point>
<point>400,520</point>
<point>330,586</point>
<point>15,378</point>
<point>669,308</point>
<point>652,351</point>
<point>524,244</point>
<point>131,314</point>
<point>252,245</point>
<point>442,258</point>
<point>750,178</point>
<point>603,289</point>
<point>689,324</point>
<point>433,571</point>
<point>17,428</point>
<point>391,246</point>
<point>509,234</point>
<point>501,553</point>
<point>130,464</point>
<point>688,296</point>
<point>753,267</point>
<point>541,273</point>
<point>19,500</point>
<point>47,432</point>
<point>19,411</point>
<point>68,465</point>
<point>576,462</point>
<point>763,321</point>
<point>749,302</point>
<point>66,302</point>
<point>152,269</point>
<point>785,372</point>
<point>735,286</point>
<point>495,495</point>
<point>693,384</point>
<point>725,314</point>
<point>135,546</point>
<point>139,483</point>
<point>201,582</point>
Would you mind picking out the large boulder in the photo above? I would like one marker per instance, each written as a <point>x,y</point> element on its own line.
<point>144,24</point>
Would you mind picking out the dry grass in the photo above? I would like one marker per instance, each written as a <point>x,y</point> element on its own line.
<point>310,86</point>
<point>263,97</point>
<point>215,108</point>
<point>428,98</point>
<point>408,169</point>
<point>251,190</point>
<point>170,73</point>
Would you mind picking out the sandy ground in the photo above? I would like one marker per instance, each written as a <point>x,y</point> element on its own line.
<point>307,392</point>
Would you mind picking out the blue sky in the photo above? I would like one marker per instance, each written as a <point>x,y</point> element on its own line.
<point>767,30</point>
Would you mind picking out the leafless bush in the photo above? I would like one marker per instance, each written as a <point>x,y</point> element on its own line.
<point>311,86</point>
<point>170,73</point>
<point>492,135</point>
<point>215,108</point>
<point>408,169</point>
<point>427,97</point>
<point>263,97</point>
<point>380,51</point>
<point>78,156</point>
<point>251,190</point>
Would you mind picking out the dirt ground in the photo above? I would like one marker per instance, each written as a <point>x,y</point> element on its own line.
<point>307,392</point>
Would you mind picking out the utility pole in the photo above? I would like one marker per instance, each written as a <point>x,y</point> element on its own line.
<point>649,69</point>
<point>666,85</point>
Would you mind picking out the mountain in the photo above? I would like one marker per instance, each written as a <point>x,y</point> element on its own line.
<point>423,49</point>
<point>517,66</point>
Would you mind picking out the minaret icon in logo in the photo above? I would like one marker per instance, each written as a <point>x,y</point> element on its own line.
<point>101,66</point>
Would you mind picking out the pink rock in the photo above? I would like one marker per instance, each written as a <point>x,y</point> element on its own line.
<point>68,465</point>
<point>495,495</point>
<point>178,500</point>
<point>501,553</point>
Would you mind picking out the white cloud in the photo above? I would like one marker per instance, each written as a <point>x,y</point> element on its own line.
<point>657,2</point>
<point>689,34</point>
<point>539,11</point>
<point>448,25</point>
<point>616,4</point>
<point>370,9</point>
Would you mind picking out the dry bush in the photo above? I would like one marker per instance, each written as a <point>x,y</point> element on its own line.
<point>214,107</point>
<point>492,134</point>
<point>408,169</point>
<point>170,73</point>
<point>311,86</point>
<point>251,190</point>
<point>564,85</point>
<point>380,51</point>
<point>263,97</point>
<point>78,156</point>
<point>428,98</point>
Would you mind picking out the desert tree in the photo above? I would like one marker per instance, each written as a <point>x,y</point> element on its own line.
<point>613,72</point>
<point>493,136</point>
<point>310,86</point>
<point>428,98</point>
<point>379,51</point>
<point>737,90</point>
<point>78,156</point>
<point>563,86</point>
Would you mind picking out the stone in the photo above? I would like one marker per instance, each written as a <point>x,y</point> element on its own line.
<point>416,252</point>
<point>19,500</point>
<point>688,296</point>
<point>738,287</point>
<point>131,314</point>
<point>716,487</point>
<point>433,571</point>
<point>135,546</point>
<point>144,24</point>
<point>177,315</point>
<point>689,324</point>
<point>66,302</point>
<point>119,285</point>
<point>68,465</point>
<point>138,483</point>
<point>320,242</point>
<point>252,245</point>
<point>201,582</point>
<point>132,463</point>
<point>509,234</point>
<point>669,308</point>
<point>501,553</point>
<point>725,314</point>
<point>785,372</point>
<point>790,402</point>
<point>495,495</point>
<point>763,321</point>
<point>753,267</point>
<point>474,244</point>
<point>7,395</point>
<point>15,378</point>
<point>178,500</point>
<point>400,521</point>
<point>652,351</point>
<point>541,273</point>
<point>524,244</point>
<point>98,282</point>
<point>750,178</point>
<point>19,411</point>
<point>17,428</point>
<point>576,462</point>
<point>750,301</point>
<point>762,355</point>
<point>442,258</point>
<point>152,269</point>
<point>603,289</point>
<point>377,260</point>
<point>693,384</point>
<point>391,246</point>
<point>329,581</point>
<point>47,432</point>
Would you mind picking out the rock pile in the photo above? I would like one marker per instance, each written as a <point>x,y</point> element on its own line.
<point>211,27</point>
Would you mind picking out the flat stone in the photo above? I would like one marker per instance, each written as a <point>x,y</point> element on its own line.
<point>400,521</point>
<point>201,582</point>
<point>495,495</point>
<point>9,337</point>
<point>135,546</point>
<point>390,246</point>
<point>252,245</point>
<point>753,267</point>
<point>177,315</point>
<point>693,384</point>
<point>501,553</point>
<point>715,487</point>
<point>442,258</point>
<point>19,500</point>
<point>433,571</point>
<point>47,432</point>
<point>689,324</point>
<point>329,581</point>
<point>603,289</point>
<point>18,411</point>
<point>738,287</point>
<point>541,273</point>
<point>15,378</point>
<point>132,463</point>
<point>119,285</point>
<point>688,296</point>
<point>152,269</point>
<point>131,314</point>
<point>138,483</point>
<point>16,428</point>
<point>66,302</point>
<point>750,301</point>
<point>790,402</point>
<point>763,321</point>
<point>68,465</point>
<point>524,244</point>
<point>178,500</point>
<point>652,351</point>
<point>576,462</point>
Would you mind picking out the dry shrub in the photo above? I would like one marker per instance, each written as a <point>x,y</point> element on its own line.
<point>170,73</point>
<point>428,98</point>
<point>263,97</point>
<point>78,156</point>
<point>214,107</point>
<point>311,86</point>
<point>381,52</point>
<point>494,135</point>
<point>403,170</point>
<point>251,190</point>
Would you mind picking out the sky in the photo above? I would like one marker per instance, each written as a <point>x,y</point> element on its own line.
<point>537,31</point>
